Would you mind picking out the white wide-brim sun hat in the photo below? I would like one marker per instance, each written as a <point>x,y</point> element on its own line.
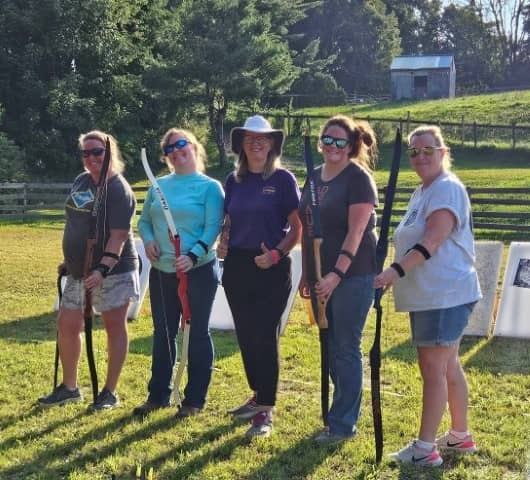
<point>256,124</point>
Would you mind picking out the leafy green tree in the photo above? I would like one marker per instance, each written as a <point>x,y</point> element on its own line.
<point>477,51</point>
<point>362,37</point>
<point>231,51</point>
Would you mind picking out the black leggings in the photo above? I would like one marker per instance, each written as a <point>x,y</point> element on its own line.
<point>257,299</point>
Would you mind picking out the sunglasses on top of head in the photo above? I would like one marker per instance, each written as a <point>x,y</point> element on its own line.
<point>427,151</point>
<point>96,152</point>
<point>178,145</point>
<point>329,140</point>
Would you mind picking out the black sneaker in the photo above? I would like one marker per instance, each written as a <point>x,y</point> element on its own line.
<point>147,407</point>
<point>106,400</point>
<point>186,411</point>
<point>60,396</point>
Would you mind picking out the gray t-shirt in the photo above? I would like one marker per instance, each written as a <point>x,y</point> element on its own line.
<point>351,186</point>
<point>116,212</point>
<point>449,277</point>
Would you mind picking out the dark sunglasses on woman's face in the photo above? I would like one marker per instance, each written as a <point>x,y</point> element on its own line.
<point>96,152</point>
<point>427,151</point>
<point>178,145</point>
<point>329,140</point>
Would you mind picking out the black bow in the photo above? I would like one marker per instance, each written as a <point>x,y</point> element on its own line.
<point>318,306</point>
<point>91,243</point>
<point>380,255</point>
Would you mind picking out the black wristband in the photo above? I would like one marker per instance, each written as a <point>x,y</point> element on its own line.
<point>348,254</point>
<point>280,251</point>
<point>203,245</point>
<point>338,272</point>
<point>398,268</point>
<point>111,255</point>
<point>420,248</point>
<point>193,257</point>
<point>103,269</point>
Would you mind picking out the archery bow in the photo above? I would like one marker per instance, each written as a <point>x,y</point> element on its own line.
<point>182,289</point>
<point>380,255</point>
<point>61,274</point>
<point>317,304</point>
<point>91,243</point>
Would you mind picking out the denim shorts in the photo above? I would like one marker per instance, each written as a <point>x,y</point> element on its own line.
<point>443,327</point>
<point>114,292</point>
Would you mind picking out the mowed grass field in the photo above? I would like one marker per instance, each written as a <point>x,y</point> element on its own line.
<point>73,443</point>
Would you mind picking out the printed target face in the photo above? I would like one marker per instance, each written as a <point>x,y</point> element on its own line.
<point>522,277</point>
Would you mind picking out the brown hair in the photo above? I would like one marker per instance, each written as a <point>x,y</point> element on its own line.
<point>117,164</point>
<point>361,138</point>
<point>200,152</point>
<point>436,132</point>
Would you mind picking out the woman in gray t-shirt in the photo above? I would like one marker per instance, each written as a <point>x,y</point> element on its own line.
<point>434,279</point>
<point>348,197</point>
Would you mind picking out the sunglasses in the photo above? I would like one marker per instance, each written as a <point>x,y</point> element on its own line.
<point>96,152</point>
<point>178,145</point>
<point>329,140</point>
<point>427,151</point>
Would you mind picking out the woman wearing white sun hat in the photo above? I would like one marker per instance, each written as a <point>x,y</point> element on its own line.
<point>261,227</point>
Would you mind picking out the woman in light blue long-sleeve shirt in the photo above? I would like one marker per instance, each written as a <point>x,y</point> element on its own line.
<point>196,205</point>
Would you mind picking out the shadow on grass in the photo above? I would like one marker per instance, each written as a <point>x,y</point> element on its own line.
<point>225,344</point>
<point>37,328</point>
<point>39,464</point>
<point>502,356</point>
<point>495,355</point>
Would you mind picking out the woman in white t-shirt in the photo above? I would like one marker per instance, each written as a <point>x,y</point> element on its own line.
<point>434,279</point>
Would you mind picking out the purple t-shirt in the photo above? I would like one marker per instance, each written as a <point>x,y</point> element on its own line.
<point>259,208</point>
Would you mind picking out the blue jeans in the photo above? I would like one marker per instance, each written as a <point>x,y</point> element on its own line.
<point>166,311</point>
<point>346,311</point>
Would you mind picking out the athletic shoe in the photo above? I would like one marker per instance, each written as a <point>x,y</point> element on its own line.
<point>261,425</point>
<point>247,410</point>
<point>448,441</point>
<point>327,436</point>
<point>106,400</point>
<point>60,396</point>
<point>186,411</point>
<point>147,407</point>
<point>418,456</point>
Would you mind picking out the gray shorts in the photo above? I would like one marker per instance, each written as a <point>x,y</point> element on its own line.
<point>114,292</point>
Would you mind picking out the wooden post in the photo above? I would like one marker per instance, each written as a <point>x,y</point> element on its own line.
<point>475,133</point>
<point>513,135</point>
<point>408,122</point>
<point>24,200</point>
<point>401,125</point>
<point>463,133</point>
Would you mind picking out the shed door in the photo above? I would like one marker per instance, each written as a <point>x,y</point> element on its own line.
<point>420,86</point>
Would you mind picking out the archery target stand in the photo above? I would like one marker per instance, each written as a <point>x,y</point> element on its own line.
<point>514,307</point>
<point>145,267</point>
<point>488,263</point>
<point>221,316</point>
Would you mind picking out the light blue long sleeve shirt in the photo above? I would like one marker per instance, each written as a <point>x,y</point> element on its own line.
<point>196,205</point>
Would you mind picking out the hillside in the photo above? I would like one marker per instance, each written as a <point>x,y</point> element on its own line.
<point>496,108</point>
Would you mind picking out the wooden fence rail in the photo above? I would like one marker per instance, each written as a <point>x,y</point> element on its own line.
<point>494,209</point>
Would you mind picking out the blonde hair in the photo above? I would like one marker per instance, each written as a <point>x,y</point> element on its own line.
<point>117,164</point>
<point>361,138</point>
<point>200,152</point>
<point>436,132</point>
<point>272,163</point>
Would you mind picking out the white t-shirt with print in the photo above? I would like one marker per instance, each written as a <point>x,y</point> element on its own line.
<point>449,277</point>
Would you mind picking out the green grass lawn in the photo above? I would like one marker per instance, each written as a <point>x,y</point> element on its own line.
<point>72,443</point>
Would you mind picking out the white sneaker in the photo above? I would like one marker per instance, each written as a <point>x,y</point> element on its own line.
<point>448,441</point>
<point>418,456</point>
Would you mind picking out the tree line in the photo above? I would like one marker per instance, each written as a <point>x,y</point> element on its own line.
<point>136,67</point>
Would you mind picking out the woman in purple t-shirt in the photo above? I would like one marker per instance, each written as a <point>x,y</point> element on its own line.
<point>261,227</point>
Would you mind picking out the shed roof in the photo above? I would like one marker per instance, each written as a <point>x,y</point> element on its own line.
<point>420,62</point>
